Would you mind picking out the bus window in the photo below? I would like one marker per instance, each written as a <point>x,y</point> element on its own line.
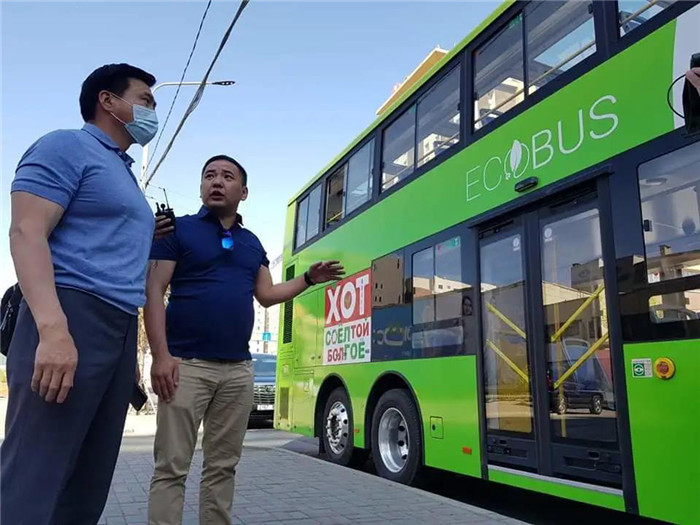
<point>334,195</point>
<point>499,83</point>
<point>438,298</point>
<point>559,36</point>
<point>399,152</point>
<point>302,218</point>
<point>669,188</point>
<point>579,364</point>
<point>438,118</point>
<point>506,364</point>
<point>633,13</point>
<point>359,180</point>
<point>308,217</point>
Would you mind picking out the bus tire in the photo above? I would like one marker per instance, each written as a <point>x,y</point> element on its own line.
<point>337,428</point>
<point>397,444</point>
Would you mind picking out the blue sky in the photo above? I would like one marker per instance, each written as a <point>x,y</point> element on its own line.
<point>309,77</point>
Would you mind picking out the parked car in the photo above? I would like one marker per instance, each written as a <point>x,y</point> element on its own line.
<point>588,387</point>
<point>264,368</point>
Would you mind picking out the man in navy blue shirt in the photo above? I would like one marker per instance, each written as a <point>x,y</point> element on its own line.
<point>80,236</point>
<point>202,369</point>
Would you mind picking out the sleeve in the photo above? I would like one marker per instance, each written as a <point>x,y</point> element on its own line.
<point>264,261</point>
<point>166,248</point>
<point>51,168</point>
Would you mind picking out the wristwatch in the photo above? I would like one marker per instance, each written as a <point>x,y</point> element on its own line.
<point>308,280</point>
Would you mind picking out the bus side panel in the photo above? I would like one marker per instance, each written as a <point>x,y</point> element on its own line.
<point>306,355</point>
<point>446,389</point>
<point>665,427</point>
<point>446,392</point>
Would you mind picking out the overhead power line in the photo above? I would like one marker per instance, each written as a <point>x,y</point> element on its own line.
<point>200,90</point>
<point>179,85</point>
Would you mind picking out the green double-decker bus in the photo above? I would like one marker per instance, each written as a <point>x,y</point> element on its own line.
<point>521,234</point>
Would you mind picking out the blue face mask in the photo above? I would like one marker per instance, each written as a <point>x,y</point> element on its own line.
<point>145,124</point>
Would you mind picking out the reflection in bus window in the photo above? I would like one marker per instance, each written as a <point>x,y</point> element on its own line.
<point>423,301</point>
<point>506,363</point>
<point>399,151</point>
<point>438,118</point>
<point>559,36</point>
<point>308,217</point>
<point>579,365</point>
<point>500,78</point>
<point>302,218</point>
<point>675,307</point>
<point>633,13</point>
<point>438,299</point>
<point>359,180</point>
<point>334,195</point>
<point>669,188</point>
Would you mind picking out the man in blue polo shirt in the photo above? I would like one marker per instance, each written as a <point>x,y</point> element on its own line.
<point>80,236</point>
<point>202,368</point>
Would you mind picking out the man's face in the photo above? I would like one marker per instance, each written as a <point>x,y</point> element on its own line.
<point>137,93</point>
<point>222,185</point>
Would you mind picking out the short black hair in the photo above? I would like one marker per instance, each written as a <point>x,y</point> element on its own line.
<point>110,77</point>
<point>233,161</point>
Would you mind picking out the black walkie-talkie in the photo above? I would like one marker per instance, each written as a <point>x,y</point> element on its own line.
<point>166,210</point>
<point>691,101</point>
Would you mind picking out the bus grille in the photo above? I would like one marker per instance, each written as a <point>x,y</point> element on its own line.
<point>288,311</point>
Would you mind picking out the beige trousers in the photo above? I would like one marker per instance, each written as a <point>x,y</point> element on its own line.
<point>222,395</point>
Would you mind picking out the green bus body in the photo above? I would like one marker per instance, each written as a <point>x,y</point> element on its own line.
<point>620,104</point>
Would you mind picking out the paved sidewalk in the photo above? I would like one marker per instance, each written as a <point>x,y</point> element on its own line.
<point>277,486</point>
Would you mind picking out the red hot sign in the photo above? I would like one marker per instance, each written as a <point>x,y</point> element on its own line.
<point>347,334</point>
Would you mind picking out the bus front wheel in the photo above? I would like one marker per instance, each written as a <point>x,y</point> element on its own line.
<point>337,428</point>
<point>396,437</point>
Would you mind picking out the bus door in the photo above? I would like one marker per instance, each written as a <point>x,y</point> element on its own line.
<point>548,385</point>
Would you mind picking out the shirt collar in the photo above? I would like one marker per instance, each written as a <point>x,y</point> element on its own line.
<point>107,142</point>
<point>205,212</point>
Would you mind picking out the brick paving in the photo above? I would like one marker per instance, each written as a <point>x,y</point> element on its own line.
<point>277,486</point>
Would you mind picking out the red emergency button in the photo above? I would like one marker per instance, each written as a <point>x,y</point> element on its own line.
<point>664,368</point>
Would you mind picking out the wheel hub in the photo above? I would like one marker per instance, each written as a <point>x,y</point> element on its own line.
<point>393,440</point>
<point>337,428</point>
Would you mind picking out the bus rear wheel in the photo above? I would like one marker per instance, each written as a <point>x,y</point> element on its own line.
<point>397,444</point>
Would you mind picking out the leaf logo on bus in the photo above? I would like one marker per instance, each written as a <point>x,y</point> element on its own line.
<point>513,164</point>
<point>516,155</point>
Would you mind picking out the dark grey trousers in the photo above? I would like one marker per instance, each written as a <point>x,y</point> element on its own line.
<point>57,461</point>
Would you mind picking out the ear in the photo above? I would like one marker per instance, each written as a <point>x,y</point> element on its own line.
<point>244,194</point>
<point>107,101</point>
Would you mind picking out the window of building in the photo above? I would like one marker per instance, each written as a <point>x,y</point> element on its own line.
<point>500,74</point>
<point>438,118</point>
<point>335,186</point>
<point>399,152</point>
<point>633,13</point>
<point>359,179</point>
<point>560,34</point>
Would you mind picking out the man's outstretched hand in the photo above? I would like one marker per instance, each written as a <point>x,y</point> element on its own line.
<point>324,271</point>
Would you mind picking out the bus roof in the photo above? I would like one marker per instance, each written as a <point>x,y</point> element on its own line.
<point>388,111</point>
